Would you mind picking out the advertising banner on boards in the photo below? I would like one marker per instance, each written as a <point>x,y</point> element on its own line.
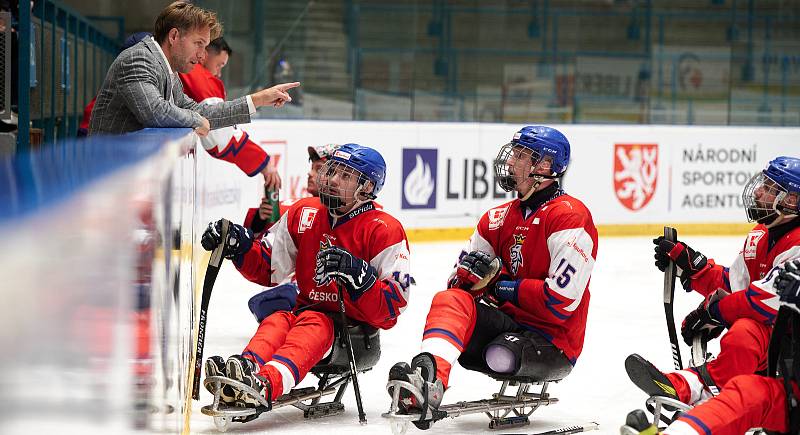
<point>441,175</point>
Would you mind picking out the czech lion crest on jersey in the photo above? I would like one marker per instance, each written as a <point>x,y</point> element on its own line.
<point>515,253</point>
<point>319,278</point>
<point>635,174</point>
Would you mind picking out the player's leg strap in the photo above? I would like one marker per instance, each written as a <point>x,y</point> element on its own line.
<point>702,371</point>
<point>489,323</point>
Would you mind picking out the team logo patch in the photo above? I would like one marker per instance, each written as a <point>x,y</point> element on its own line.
<point>497,216</point>
<point>319,277</point>
<point>307,215</point>
<point>635,174</point>
<point>516,253</point>
<point>751,244</point>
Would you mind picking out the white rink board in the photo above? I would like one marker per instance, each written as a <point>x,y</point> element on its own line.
<point>697,177</point>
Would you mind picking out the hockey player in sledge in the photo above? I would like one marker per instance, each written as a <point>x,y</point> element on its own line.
<point>740,299</point>
<point>750,401</point>
<point>336,239</point>
<point>515,306</point>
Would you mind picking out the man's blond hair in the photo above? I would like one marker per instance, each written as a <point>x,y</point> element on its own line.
<point>185,17</point>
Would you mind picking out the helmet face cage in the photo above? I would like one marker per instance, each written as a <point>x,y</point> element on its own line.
<point>763,199</point>
<point>513,165</point>
<point>341,187</point>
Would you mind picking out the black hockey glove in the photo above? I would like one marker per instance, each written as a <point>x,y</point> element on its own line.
<point>787,285</point>
<point>688,260</point>
<point>240,239</point>
<point>701,321</point>
<point>475,271</point>
<point>355,274</point>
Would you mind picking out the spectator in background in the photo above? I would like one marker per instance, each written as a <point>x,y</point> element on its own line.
<point>140,89</point>
<point>257,219</point>
<point>232,144</point>
<point>83,127</point>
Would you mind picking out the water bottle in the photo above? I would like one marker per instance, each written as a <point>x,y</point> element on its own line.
<point>274,198</point>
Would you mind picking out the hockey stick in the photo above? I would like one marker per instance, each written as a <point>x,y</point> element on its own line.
<point>567,430</point>
<point>212,271</point>
<point>362,417</point>
<point>698,350</point>
<point>671,234</point>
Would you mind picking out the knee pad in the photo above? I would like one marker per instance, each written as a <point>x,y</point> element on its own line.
<point>526,355</point>
<point>502,354</point>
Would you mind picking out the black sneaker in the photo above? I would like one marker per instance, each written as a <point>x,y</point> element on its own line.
<point>215,366</point>
<point>648,378</point>
<point>245,371</point>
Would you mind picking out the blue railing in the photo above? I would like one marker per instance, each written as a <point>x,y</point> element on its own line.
<point>63,58</point>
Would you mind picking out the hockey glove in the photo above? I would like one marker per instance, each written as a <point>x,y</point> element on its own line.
<point>701,321</point>
<point>475,272</point>
<point>688,260</point>
<point>240,239</point>
<point>355,274</point>
<point>503,291</point>
<point>787,285</point>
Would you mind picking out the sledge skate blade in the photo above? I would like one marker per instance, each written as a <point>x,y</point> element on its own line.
<point>218,409</point>
<point>216,383</point>
<point>222,410</point>
<point>497,403</point>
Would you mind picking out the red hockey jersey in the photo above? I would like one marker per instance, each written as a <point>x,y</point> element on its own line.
<point>258,226</point>
<point>367,232</point>
<point>552,252</point>
<point>229,143</point>
<point>750,278</point>
<point>199,84</point>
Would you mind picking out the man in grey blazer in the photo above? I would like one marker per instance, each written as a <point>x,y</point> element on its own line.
<point>142,89</point>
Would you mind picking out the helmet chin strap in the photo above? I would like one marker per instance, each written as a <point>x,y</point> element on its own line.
<point>358,192</point>
<point>537,181</point>
<point>780,219</point>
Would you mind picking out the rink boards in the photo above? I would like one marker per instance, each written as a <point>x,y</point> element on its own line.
<point>440,176</point>
<point>103,260</point>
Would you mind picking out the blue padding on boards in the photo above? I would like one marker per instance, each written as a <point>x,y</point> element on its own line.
<point>46,176</point>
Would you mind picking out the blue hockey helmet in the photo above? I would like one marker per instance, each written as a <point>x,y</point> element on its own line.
<point>773,192</point>
<point>364,159</point>
<point>350,160</point>
<point>541,143</point>
<point>545,142</point>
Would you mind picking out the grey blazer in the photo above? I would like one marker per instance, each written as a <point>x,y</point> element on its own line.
<point>137,93</point>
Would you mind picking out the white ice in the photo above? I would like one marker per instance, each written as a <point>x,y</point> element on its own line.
<point>626,315</point>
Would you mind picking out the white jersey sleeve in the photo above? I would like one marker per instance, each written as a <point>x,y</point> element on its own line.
<point>284,251</point>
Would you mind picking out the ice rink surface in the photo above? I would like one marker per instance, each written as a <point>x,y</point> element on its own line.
<point>626,315</point>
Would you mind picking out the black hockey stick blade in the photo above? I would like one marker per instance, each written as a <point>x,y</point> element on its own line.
<point>212,271</point>
<point>671,234</point>
<point>567,430</point>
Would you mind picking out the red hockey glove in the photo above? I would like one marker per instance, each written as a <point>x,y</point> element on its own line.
<point>688,260</point>
<point>475,272</point>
